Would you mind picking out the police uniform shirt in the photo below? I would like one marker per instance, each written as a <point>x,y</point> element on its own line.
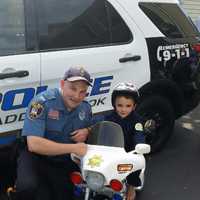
<point>132,127</point>
<point>48,117</point>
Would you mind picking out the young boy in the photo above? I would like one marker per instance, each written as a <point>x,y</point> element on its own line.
<point>124,99</point>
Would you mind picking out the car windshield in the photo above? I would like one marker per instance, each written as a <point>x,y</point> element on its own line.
<point>107,134</point>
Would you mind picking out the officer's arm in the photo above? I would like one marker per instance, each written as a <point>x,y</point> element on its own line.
<point>44,146</point>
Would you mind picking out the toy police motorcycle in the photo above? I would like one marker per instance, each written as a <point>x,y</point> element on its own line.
<point>106,165</point>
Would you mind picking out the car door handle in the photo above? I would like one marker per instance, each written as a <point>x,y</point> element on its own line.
<point>132,58</point>
<point>18,74</point>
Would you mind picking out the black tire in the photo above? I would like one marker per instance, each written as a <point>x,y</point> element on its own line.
<point>158,109</point>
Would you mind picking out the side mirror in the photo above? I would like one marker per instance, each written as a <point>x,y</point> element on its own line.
<point>142,148</point>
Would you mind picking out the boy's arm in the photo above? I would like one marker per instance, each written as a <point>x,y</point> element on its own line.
<point>139,133</point>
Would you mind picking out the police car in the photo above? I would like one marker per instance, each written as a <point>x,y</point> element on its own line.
<point>151,43</point>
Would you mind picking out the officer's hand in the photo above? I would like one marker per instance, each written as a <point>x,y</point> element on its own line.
<point>80,135</point>
<point>80,149</point>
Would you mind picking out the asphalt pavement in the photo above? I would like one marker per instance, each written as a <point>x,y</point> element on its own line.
<point>174,173</point>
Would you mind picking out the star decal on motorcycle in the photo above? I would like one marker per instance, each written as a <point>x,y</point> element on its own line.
<point>95,161</point>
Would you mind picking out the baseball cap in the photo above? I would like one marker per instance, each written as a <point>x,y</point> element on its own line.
<point>76,74</point>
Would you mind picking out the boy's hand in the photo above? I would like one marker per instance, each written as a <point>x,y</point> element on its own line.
<point>80,135</point>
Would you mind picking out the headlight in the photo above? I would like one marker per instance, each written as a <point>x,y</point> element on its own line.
<point>95,181</point>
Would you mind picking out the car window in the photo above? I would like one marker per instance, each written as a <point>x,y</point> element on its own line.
<point>12,26</point>
<point>120,33</point>
<point>170,19</point>
<point>78,23</point>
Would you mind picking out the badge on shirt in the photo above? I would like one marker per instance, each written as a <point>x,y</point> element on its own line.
<point>53,114</point>
<point>138,127</point>
<point>82,115</point>
<point>36,110</point>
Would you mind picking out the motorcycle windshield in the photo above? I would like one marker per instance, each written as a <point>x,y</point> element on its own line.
<point>107,134</point>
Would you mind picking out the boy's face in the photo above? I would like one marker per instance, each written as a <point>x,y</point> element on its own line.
<point>124,106</point>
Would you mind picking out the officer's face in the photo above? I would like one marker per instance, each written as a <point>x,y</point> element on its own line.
<point>124,106</point>
<point>73,93</point>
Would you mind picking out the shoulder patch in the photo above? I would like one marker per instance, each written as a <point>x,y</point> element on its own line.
<point>138,127</point>
<point>36,110</point>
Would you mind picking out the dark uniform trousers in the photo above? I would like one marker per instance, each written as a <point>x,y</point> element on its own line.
<point>42,179</point>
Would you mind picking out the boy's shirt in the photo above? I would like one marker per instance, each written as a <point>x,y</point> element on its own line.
<point>132,127</point>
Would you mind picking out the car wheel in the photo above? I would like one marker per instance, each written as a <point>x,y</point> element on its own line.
<point>158,116</point>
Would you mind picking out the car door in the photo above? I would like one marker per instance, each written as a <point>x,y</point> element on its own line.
<point>92,34</point>
<point>19,63</point>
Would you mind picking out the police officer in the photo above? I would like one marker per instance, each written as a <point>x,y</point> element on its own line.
<point>55,125</point>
